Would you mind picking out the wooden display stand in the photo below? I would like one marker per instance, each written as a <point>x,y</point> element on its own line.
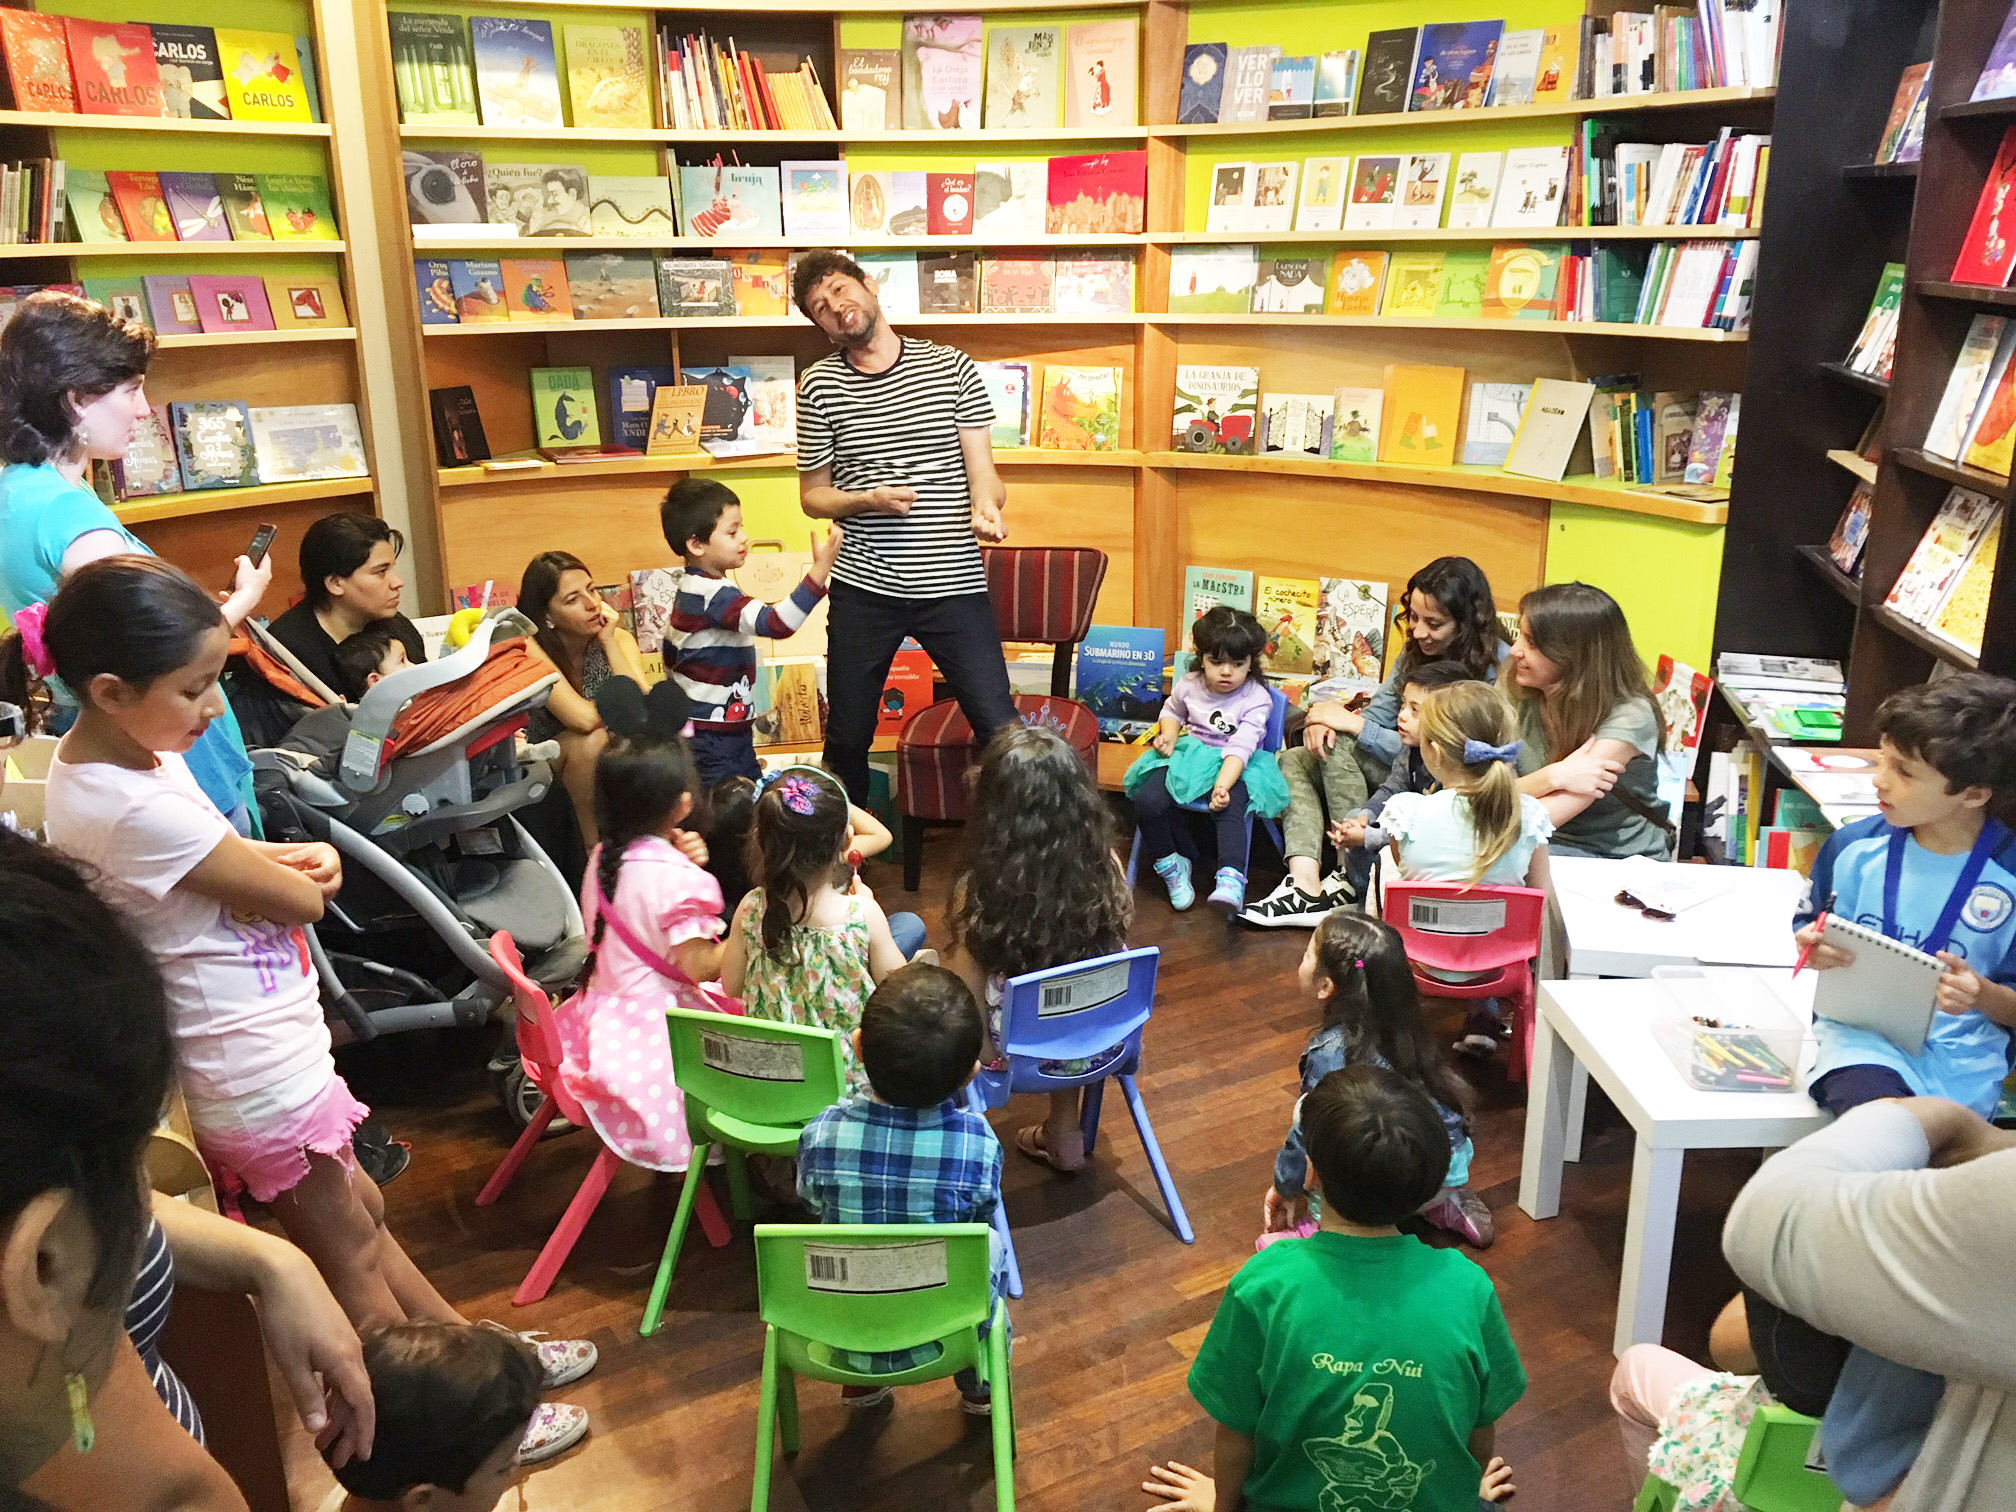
<point>1151,509</point>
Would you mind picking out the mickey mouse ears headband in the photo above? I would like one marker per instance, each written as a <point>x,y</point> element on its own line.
<point>628,711</point>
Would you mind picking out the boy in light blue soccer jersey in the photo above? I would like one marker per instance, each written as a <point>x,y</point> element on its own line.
<point>1933,869</point>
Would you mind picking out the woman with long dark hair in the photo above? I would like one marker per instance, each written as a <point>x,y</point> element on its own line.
<point>72,392</point>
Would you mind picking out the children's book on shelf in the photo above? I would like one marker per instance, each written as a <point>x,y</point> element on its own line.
<point>1291,89</point>
<point>1422,409</point>
<point>230,305</point>
<point>871,90</point>
<point>724,203</point>
<point>762,283</point>
<point>1336,83</point>
<point>213,443</point>
<point>1682,695</point>
<point>1100,65</point>
<point>1231,203</point>
<point>1519,282</point>
<point>868,204</point>
<point>1250,70</point>
<point>1208,588</point>
<point>1007,385</point>
<point>608,76</point>
<point>1097,283</point>
<point>630,393</point>
<point>1354,283</point>
<point>815,201</point>
<point>297,207</point>
<point>1203,85</point>
<point>142,206</point>
<point>1672,418</point>
<point>676,410</point>
<point>894,275</point>
<point>148,466</point>
<point>1017,285</point>
<point>1319,204</point>
<point>1851,531</point>
<point>1097,194</point>
<point>1940,554</point>
<point>94,211</point>
<point>1993,432</point>
<point>1295,425</point>
<point>114,68</point>
<point>1354,424</point>
<point>1212,280</point>
<point>442,188</point>
<point>192,73</point>
<point>1515,71</point>
<point>265,75</point>
<point>171,305</point>
<point>563,407</point>
<point>1080,409</point>
<point>948,204</point>
<point>1453,66</point>
<point>1911,87</point>
<point>124,297</point>
<point>513,194</point>
<point>37,72</point>
<point>1216,409</point>
<point>1349,655</point>
<point>432,68</point>
<point>1465,270</point>
<point>948,283</point>
<point>695,287</point>
<point>1533,187</point>
<point>1413,284</point>
<point>1975,370</point>
<point>1423,182</point>
<point>1389,69</point>
<point>1989,250</point>
<point>1712,434</point>
<point>1375,192</point>
<point>1549,426</point>
<point>1491,422</point>
<point>1022,77</point>
<point>1998,75</point>
<point>1286,609</point>
<point>773,402</point>
<point>195,206</point>
<point>1010,199</point>
<point>1876,342</point>
<point>1474,188</point>
<point>300,443</point>
<point>1290,285</point>
<point>517,82</point>
<point>1963,616</point>
<point>1273,203</point>
<point>942,68</point>
<point>630,206</point>
<point>612,286</point>
<point>535,290</point>
<point>458,428</point>
<point>1119,678</point>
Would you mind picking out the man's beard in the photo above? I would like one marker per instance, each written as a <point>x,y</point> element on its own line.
<point>862,338</point>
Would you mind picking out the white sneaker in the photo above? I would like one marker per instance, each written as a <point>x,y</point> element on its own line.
<point>1287,907</point>
<point>1339,890</point>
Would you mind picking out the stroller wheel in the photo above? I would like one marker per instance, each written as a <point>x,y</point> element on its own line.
<point>520,1096</point>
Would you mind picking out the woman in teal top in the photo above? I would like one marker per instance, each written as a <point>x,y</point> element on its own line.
<point>71,392</point>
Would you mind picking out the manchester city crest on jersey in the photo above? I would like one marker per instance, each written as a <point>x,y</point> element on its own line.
<point>1988,908</point>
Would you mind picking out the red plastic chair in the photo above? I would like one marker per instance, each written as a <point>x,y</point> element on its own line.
<point>539,1046</point>
<point>1489,934</point>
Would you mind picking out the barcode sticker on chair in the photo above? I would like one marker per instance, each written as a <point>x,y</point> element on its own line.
<point>1082,992</point>
<point>752,1059</point>
<point>1476,916</point>
<point>877,1270</point>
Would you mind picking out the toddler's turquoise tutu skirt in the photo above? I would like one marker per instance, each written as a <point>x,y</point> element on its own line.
<point>1193,771</point>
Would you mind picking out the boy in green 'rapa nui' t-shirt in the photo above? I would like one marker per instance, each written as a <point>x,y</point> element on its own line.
<point>1357,1370</point>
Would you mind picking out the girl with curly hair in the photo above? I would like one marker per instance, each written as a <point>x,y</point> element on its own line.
<point>1039,886</point>
<point>809,942</point>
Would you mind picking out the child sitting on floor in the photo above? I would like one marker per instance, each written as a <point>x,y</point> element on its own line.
<point>1356,969</point>
<point>800,950</point>
<point>908,1152</point>
<point>1357,1367</point>
<point>652,917</point>
<point>453,1402</point>
<point>1208,743</point>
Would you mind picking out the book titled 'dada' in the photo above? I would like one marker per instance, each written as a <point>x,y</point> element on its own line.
<point>1120,679</point>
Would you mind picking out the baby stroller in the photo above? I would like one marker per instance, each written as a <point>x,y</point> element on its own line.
<point>417,788</point>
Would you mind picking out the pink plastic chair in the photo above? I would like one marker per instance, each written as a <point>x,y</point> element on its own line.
<point>1489,934</point>
<point>539,1046</point>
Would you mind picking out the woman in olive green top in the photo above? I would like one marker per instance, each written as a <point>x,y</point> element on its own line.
<point>1589,730</point>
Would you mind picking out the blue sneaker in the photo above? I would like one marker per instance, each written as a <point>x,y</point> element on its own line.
<point>1230,893</point>
<point>1175,871</point>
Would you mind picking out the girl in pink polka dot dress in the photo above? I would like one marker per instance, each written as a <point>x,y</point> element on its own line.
<point>653,916</point>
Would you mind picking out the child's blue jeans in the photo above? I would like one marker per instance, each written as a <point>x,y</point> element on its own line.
<point>1155,812</point>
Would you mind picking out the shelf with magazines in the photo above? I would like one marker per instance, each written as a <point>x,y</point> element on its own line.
<point>431,132</point>
<point>549,244</point>
<point>728,323</point>
<point>201,194</point>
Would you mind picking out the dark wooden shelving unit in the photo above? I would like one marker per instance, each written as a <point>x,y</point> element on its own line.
<point>1780,590</point>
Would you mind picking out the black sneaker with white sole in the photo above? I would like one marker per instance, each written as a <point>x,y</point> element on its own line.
<point>1339,891</point>
<point>1482,1034</point>
<point>1287,907</point>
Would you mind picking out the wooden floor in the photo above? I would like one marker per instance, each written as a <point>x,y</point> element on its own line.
<point>1115,1307</point>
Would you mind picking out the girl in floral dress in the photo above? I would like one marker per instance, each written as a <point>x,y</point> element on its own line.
<point>803,950</point>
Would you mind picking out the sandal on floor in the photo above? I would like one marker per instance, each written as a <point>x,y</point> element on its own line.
<point>1031,1142</point>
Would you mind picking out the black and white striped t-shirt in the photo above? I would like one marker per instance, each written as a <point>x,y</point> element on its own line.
<point>900,427</point>
<point>147,1316</point>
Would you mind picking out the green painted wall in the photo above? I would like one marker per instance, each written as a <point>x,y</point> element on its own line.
<point>1664,573</point>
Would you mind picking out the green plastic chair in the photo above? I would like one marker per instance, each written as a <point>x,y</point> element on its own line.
<point>876,1288</point>
<point>750,1086</point>
<point>1771,1473</point>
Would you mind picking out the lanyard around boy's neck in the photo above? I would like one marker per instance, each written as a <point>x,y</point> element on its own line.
<point>1991,836</point>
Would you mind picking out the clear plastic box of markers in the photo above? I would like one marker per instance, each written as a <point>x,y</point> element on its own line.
<point>1727,1031</point>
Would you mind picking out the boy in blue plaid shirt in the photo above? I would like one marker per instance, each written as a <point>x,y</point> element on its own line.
<point>909,1153</point>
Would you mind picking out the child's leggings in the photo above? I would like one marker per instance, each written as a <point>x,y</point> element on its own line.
<point>1155,812</point>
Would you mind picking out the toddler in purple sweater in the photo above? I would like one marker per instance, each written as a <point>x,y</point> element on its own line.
<point>1208,743</point>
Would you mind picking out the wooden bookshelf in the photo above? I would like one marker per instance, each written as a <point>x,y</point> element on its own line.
<point>1815,280</point>
<point>548,245</point>
<point>1457,323</point>
<point>563,135</point>
<point>44,120</point>
<point>1454,234</point>
<point>257,338</point>
<point>1671,100</point>
<point>152,251</point>
<point>1853,462</point>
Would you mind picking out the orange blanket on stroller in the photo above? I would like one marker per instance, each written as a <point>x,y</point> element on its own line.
<point>510,668</point>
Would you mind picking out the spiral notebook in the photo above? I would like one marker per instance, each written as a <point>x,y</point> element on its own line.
<point>1890,988</point>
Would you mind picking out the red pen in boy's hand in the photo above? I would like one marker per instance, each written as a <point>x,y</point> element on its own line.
<point>1819,927</point>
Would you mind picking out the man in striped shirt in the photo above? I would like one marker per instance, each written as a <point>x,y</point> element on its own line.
<point>893,438</point>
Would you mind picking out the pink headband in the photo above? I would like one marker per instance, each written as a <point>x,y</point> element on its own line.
<point>34,653</point>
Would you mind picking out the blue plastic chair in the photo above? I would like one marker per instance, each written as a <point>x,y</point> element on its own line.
<point>1077,1013</point>
<point>1277,723</point>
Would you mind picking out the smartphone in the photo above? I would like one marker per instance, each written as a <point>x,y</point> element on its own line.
<point>262,540</point>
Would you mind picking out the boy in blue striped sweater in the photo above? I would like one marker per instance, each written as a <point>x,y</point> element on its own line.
<point>710,642</point>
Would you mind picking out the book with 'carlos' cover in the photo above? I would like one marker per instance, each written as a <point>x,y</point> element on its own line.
<point>114,68</point>
<point>38,63</point>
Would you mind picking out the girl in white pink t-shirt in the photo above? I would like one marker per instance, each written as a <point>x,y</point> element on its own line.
<point>141,646</point>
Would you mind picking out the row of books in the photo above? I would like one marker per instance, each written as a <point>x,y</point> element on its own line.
<point>1797,699</point>
<point>953,73</point>
<point>702,84</point>
<point>1875,347</point>
<point>967,283</point>
<point>1903,138</point>
<point>1944,587</point>
<point>816,202</point>
<point>1988,252</point>
<point>176,304</point>
<point>1753,825</point>
<point>221,443</point>
<point>1662,438</point>
<point>1383,192</point>
<point>65,65</point>
<point>1976,419</point>
<point>136,206</point>
<point>1718,183</point>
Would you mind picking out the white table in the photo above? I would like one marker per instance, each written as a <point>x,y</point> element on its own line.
<point>1746,922</point>
<point>1605,1029</point>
